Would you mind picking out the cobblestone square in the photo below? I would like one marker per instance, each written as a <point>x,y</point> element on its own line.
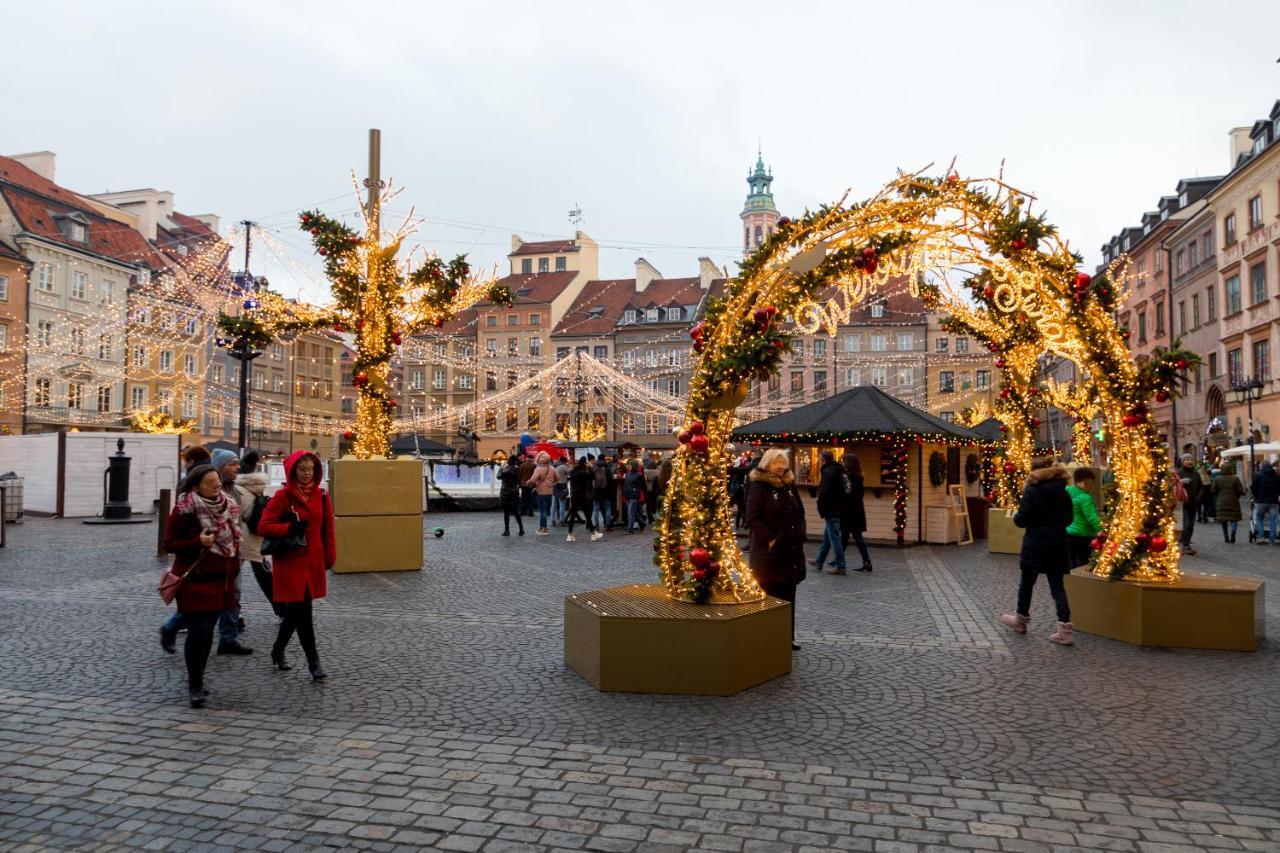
<point>911,721</point>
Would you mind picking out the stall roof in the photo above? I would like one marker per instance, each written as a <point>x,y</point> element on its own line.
<point>405,444</point>
<point>860,410</point>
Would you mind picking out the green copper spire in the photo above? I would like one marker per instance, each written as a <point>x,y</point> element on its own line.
<point>761,195</point>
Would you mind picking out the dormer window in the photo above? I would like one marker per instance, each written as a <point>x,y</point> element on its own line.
<point>629,316</point>
<point>1260,143</point>
<point>877,310</point>
<point>74,226</point>
<point>1124,244</point>
<point>182,249</point>
<point>673,315</point>
<point>651,315</point>
<point>1182,200</point>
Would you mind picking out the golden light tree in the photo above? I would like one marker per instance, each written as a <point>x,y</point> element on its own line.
<point>379,299</point>
<point>970,248</point>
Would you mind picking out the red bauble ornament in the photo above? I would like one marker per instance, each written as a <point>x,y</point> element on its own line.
<point>361,378</point>
<point>778,344</point>
<point>359,325</point>
<point>989,291</point>
<point>315,232</point>
<point>771,309</point>
<point>991,497</point>
<point>1131,420</point>
<point>700,557</point>
<point>1158,544</point>
<point>1102,537</point>
<point>395,338</point>
<point>1000,362</point>
<point>697,331</point>
<point>1035,422</point>
<point>1004,393</point>
<point>1142,539</point>
<point>1181,364</point>
<point>953,179</point>
<point>392,403</point>
<point>1083,281</point>
<point>1009,467</point>
<point>348,435</point>
<point>1018,245</point>
<point>338,327</point>
<point>993,347</point>
<point>697,428</point>
<point>1033,390</point>
<point>698,345</point>
<point>684,436</point>
<point>761,317</point>
<point>698,444</point>
<point>322,251</point>
<point>1162,396</point>
<point>699,575</point>
<point>1126,334</point>
<point>1004,428</point>
<point>1095,544</point>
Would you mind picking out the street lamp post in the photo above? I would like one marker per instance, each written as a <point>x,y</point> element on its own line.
<point>579,394</point>
<point>1247,392</point>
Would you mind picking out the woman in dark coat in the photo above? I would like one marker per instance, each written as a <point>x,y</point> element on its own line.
<point>853,516</point>
<point>775,517</point>
<point>1227,493</point>
<point>203,534</point>
<point>1044,513</point>
<point>298,576</point>
<point>509,495</point>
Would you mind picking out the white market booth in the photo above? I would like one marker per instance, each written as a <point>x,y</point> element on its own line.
<point>909,460</point>
<point>63,471</point>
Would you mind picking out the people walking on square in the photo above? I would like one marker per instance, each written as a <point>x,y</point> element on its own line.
<point>832,489</point>
<point>543,483</point>
<point>300,508</point>
<point>1084,518</point>
<point>1266,503</point>
<point>560,493</point>
<point>203,534</point>
<point>252,485</point>
<point>651,489</point>
<point>1228,491</point>
<point>853,515</point>
<point>1044,513</point>
<point>1208,505</point>
<point>581,484</point>
<point>509,495</point>
<point>602,494</point>
<point>1191,486</point>
<point>738,473</point>
<point>775,517</point>
<point>633,497</point>
<point>527,497</point>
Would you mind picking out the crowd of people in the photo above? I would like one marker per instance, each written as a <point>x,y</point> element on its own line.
<point>599,493</point>
<point>222,518</point>
<point>1217,492</point>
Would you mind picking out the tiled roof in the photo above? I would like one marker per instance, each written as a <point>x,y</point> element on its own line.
<point>535,287</point>
<point>463,324</point>
<point>600,305</point>
<point>547,247</point>
<point>7,251</point>
<point>899,306</point>
<point>35,201</point>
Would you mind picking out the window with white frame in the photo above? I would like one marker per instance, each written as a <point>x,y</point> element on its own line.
<point>629,316</point>
<point>941,344</point>
<point>45,277</point>
<point>673,315</point>
<point>260,381</point>
<point>277,383</point>
<point>188,404</point>
<point>106,349</point>
<point>852,377</point>
<point>438,379</point>
<point>139,357</point>
<point>906,341</point>
<point>982,379</point>
<point>277,352</point>
<point>107,293</point>
<point>104,398</point>
<point>628,424</point>
<point>189,364</point>
<point>877,310</point>
<point>535,345</point>
<point>167,320</point>
<point>166,361</point>
<point>416,378</point>
<point>651,358</point>
<point>77,341</point>
<point>4,288</point>
<point>4,337</point>
<point>216,373</point>
<point>651,315</point>
<point>878,343</point>
<point>43,392</point>
<point>629,358</point>
<point>853,343</point>
<point>44,333</point>
<point>962,344</point>
<point>878,377</point>
<point>673,387</point>
<point>465,381</point>
<point>79,284</point>
<point>819,348</point>
<point>906,377</point>
<point>75,395</point>
<point>189,326</point>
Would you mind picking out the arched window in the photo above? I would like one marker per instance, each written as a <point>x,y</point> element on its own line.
<point>746,236</point>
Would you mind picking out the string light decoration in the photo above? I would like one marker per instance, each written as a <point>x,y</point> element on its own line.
<point>379,300</point>
<point>970,248</point>
<point>161,423</point>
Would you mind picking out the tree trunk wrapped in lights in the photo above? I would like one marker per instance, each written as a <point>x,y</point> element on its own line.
<point>968,248</point>
<point>378,299</point>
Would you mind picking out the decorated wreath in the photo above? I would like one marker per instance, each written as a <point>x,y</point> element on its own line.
<point>937,468</point>
<point>972,468</point>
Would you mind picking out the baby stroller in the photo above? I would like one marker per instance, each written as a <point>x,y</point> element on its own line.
<point>1253,522</point>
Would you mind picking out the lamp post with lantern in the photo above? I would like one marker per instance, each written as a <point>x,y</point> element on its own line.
<point>1247,392</point>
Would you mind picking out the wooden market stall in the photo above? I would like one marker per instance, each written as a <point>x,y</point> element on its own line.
<point>912,462</point>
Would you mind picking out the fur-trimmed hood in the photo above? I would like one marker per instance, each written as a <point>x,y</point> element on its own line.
<point>759,475</point>
<point>255,482</point>
<point>1044,475</point>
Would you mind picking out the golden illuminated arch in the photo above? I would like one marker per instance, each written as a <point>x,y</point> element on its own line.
<point>971,249</point>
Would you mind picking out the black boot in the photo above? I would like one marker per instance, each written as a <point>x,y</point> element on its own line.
<point>167,640</point>
<point>197,696</point>
<point>278,661</point>
<point>317,674</point>
<point>234,647</point>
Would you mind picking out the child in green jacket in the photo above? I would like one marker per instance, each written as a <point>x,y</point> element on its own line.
<point>1084,520</point>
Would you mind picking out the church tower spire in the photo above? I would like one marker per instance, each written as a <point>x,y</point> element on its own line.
<point>759,215</point>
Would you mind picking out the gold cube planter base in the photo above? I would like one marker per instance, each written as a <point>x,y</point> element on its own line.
<point>634,639</point>
<point>378,543</point>
<point>378,514</point>
<point>1197,612</point>
<point>1003,536</point>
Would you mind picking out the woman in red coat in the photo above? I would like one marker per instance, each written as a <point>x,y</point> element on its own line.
<point>298,576</point>
<point>203,534</point>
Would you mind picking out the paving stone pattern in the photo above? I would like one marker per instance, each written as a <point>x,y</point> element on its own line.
<point>911,720</point>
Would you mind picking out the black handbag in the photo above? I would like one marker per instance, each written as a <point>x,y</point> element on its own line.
<point>275,547</point>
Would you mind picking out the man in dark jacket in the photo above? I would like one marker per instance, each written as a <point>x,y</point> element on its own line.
<point>1190,479</point>
<point>633,497</point>
<point>1266,503</point>
<point>581,486</point>
<point>1044,513</point>
<point>831,494</point>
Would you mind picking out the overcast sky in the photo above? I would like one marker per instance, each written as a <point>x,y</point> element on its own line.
<point>506,115</point>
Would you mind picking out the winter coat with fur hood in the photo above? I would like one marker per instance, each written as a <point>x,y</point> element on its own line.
<point>775,517</point>
<point>1044,513</point>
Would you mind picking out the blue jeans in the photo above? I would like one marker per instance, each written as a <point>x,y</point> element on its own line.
<point>634,517</point>
<point>544,509</point>
<point>227,631</point>
<point>602,512</point>
<point>832,541</point>
<point>559,508</point>
<point>1265,520</point>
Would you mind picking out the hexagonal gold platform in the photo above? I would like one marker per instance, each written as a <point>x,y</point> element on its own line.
<point>1198,611</point>
<point>634,639</point>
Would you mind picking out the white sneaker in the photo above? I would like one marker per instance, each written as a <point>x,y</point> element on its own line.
<point>569,538</point>
<point>595,537</point>
<point>542,531</point>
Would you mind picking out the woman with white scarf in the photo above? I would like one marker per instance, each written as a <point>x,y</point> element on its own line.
<point>203,534</point>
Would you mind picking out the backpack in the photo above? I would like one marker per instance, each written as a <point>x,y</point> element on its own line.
<point>601,480</point>
<point>254,515</point>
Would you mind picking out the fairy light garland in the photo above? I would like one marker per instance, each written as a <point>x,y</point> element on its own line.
<point>1027,297</point>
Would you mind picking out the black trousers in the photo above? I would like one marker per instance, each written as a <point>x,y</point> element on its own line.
<point>787,592</point>
<point>585,508</point>
<point>1081,550</point>
<point>1188,523</point>
<point>195,650</point>
<point>510,511</point>
<point>1056,588</point>
<point>297,617</point>
<point>262,574</point>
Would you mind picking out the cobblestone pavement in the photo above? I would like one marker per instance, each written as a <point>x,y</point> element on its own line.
<point>911,720</point>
